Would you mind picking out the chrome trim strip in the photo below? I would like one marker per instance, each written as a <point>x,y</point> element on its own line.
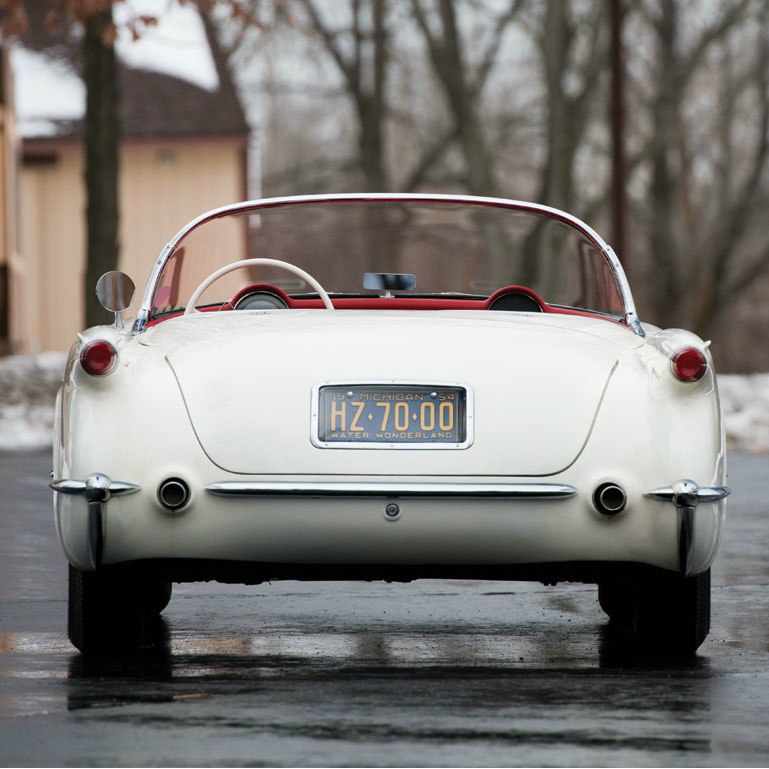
<point>390,490</point>
<point>630,315</point>
<point>469,416</point>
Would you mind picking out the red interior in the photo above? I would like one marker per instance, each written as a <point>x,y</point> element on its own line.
<point>382,303</point>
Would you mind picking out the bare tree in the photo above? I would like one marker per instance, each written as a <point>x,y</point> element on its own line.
<point>573,51</point>
<point>363,65</point>
<point>569,109</point>
<point>462,88</point>
<point>734,260</point>
<point>700,202</point>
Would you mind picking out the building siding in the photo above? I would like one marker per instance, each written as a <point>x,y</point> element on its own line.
<point>162,186</point>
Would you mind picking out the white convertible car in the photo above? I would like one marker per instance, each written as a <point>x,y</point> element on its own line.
<point>388,387</point>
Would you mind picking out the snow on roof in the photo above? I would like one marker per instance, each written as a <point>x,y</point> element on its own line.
<point>49,91</point>
<point>177,45</point>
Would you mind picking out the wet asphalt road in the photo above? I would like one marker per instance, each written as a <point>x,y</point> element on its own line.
<point>334,674</point>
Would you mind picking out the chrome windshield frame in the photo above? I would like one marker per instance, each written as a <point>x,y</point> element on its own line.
<point>630,314</point>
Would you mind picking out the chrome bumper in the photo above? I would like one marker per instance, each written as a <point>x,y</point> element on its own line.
<point>97,489</point>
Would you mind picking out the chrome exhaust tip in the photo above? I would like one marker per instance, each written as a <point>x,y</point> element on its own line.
<point>609,499</point>
<point>173,494</point>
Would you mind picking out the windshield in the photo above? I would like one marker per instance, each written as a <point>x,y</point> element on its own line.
<point>454,248</point>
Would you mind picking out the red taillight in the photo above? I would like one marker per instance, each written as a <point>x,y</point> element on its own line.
<point>688,364</point>
<point>98,358</point>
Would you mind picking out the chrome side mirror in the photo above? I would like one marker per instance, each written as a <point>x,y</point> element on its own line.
<point>115,291</point>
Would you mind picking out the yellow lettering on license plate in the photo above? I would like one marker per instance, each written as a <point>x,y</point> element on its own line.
<point>391,414</point>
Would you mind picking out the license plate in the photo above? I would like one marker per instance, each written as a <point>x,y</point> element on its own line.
<point>380,416</point>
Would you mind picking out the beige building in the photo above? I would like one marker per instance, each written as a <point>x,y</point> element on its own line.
<point>183,152</point>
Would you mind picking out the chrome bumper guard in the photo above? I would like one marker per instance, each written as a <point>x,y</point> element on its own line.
<point>392,490</point>
<point>97,489</point>
<point>686,495</point>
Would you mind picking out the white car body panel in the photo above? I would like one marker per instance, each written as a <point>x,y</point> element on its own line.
<point>524,404</point>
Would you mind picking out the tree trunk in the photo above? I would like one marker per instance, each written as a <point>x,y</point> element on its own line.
<point>557,174</point>
<point>372,106</point>
<point>666,293</point>
<point>102,137</point>
<point>480,178</point>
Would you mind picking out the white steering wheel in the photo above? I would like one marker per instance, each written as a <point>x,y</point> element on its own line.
<point>214,276</point>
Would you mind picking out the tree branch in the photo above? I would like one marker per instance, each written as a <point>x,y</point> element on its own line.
<point>429,158</point>
<point>490,57</point>
<point>329,39</point>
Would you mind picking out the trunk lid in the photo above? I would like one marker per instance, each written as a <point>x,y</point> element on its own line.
<point>248,380</point>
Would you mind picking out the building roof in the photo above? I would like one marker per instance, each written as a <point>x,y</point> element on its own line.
<point>174,82</point>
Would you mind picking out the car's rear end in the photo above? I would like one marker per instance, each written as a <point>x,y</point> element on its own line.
<point>389,443</point>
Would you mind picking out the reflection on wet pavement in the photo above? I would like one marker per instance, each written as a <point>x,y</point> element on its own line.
<point>553,685</point>
<point>466,689</point>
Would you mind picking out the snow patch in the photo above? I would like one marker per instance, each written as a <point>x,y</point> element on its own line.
<point>177,45</point>
<point>745,400</point>
<point>28,386</point>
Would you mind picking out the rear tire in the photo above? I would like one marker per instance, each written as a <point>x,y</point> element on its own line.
<point>112,611</point>
<point>674,612</point>
<point>665,613</point>
<point>617,603</point>
<point>158,596</point>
